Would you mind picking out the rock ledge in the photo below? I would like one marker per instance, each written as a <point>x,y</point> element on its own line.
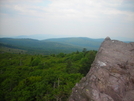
<point>111,77</point>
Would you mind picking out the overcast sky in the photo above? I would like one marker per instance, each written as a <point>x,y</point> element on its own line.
<point>78,18</point>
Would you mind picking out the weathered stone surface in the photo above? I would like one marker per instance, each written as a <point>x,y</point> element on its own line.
<point>111,77</point>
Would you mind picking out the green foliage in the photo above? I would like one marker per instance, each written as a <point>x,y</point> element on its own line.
<point>87,61</point>
<point>35,62</point>
<point>61,55</point>
<point>26,77</point>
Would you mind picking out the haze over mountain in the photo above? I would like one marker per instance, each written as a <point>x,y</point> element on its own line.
<point>49,36</point>
<point>41,36</point>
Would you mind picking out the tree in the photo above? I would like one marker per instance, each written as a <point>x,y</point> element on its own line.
<point>84,50</point>
<point>86,62</point>
<point>40,78</point>
<point>35,62</point>
<point>69,67</point>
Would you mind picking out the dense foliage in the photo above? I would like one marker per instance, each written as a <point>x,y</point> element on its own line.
<point>26,77</point>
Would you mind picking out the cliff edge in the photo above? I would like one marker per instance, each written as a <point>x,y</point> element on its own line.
<point>111,77</point>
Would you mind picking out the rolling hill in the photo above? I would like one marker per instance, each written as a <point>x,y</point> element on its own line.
<point>91,44</point>
<point>51,46</point>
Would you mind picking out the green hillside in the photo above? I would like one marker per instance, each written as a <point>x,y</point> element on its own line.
<point>38,47</point>
<point>49,46</point>
<point>91,44</point>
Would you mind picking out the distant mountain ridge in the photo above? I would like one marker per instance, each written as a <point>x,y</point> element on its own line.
<point>37,46</point>
<point>50,36</point>
<point>89,43</point>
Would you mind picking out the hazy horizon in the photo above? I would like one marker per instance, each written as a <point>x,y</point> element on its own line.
<point>43,37</point>
<point>67,18</point>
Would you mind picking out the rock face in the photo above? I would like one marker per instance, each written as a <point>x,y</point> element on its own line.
<point>111,77</point>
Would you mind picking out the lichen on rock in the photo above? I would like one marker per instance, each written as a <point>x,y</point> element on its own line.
<point>111,77</point>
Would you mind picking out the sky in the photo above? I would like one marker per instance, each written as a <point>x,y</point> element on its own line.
<point>70,18</point>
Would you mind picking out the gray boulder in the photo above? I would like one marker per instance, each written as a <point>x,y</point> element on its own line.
<point>111,77</point>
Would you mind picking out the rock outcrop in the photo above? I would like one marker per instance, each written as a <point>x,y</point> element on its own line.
<point>111,77</point>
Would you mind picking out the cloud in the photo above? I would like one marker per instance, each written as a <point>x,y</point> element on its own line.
<point>94,10</point>
<point>71,16</point>
<point>73,9</point>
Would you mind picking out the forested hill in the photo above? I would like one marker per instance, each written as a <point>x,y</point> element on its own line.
<point>32,46</point>
<point>50,46</point>
<point>92,44</point>
<point>25,77</point>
